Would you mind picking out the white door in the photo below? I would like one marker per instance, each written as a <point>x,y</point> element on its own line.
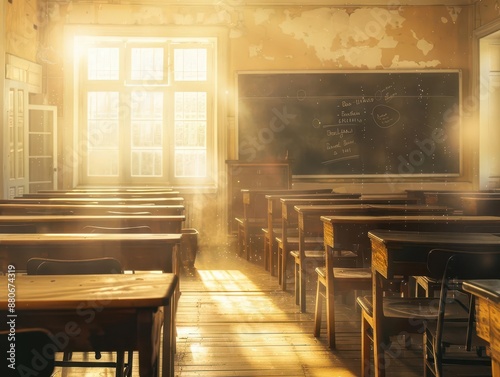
<point>42,150</point>
<point>15,140</point>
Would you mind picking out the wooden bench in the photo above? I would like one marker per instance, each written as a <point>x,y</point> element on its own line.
<point>289,240</point>
<point>489,206</point>
<point>77,223</point>
<point>454,198</point>
<point>102,194</point>
<point>274,221</point>
<point>310,225</point>
<point>134,251</point>
<point>104,201</point>
<point>250,227</point>
<point>89,209</point>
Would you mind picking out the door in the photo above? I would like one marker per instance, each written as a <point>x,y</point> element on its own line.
<point>15,140</point>
<point>42,150</point>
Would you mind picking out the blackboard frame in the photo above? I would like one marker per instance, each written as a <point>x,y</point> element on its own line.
<point>448,166</point>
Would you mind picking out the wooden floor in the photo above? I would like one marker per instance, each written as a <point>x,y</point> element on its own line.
<point>234,320</point>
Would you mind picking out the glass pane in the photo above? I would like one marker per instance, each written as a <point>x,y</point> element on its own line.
<point>103,133</point>
<point>146,163</point>
<point>190,64</point>
<point>147,133</point>
<point>190,136</point>
<point>190,163</point>
<point>147,64</point>
<point>10,123</point>
<point>102,124</point>
<point>20,135</point>
<point>103,63</point>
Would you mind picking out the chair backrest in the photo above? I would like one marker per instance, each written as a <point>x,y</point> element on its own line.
<point>454,266</point>
<point>127,229</point>
<point>44,266</point>
<point>463,265</point>
<point>34,351</point>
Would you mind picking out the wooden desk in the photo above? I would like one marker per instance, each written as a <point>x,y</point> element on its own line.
<point>354,229</point>
<point>83,315</point>
<point>487,294</point>
<point>274,218</point>
<point>255,212</point>
<point>405,253</point>
<point>101,194</point>
<point>77,223</point>
<point>289,221</point>
<point>90,209</point>
<point>310,225</point>
<point>481,206</point>
<point>122,201</point>
<point>454,198</point>
<point>134,251</point>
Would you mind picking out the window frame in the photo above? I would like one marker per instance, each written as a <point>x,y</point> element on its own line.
<point>168,87</point>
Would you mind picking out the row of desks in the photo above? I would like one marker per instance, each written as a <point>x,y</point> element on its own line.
<point>57,225</point>
<point>394,245</point>
<point>399,246</point>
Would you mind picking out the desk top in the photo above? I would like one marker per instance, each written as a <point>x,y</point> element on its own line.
<point>362,219</point>
<point>400,237</point>
<point>40,292</point>
<point>487,289</point>
<point>78,218</point>
<point>61,238</point>
<point>368,208</point>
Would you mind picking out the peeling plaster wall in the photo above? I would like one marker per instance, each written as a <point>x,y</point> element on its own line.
<point>21,28</point>
<point>352,38</point>
<point>487,11</point>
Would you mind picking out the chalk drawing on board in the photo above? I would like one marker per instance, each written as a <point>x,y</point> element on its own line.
<point>340,143</point>
<point>316,123</point>
<point>353,157</point>
<point>385,116</point>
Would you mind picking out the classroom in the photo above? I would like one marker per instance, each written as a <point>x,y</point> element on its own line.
<point>281,172</point>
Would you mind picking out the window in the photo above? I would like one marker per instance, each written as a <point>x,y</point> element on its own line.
<point>147,110</point>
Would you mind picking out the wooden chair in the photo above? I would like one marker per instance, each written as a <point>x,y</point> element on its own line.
<point>413,315</point>
<point>443,334</point>
<point>332,281</point>
<point>33,352</point>
<point>44,266</point>
<point>253,227</point>
<point>288,240</point>
<point>274,220</point>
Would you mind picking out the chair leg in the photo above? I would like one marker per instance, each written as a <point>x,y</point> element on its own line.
<point>318,310</point>
<point>330,317</point>
<point>266,254</point>
<point>280,266</point>
<point>120,364</point>
<point>128,369</point>
<point>272,256</point>
<point>283,269</point>
<point>302,286</point>
<point>365,347</point>
<point>297,282</point>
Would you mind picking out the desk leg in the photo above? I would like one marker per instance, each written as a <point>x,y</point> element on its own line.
<point>495,368</point>
<point>145,339</point>
<point>168,340</point>
<point>378,312</point>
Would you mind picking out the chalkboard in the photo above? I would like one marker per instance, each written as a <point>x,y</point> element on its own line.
<point>352,123</point>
